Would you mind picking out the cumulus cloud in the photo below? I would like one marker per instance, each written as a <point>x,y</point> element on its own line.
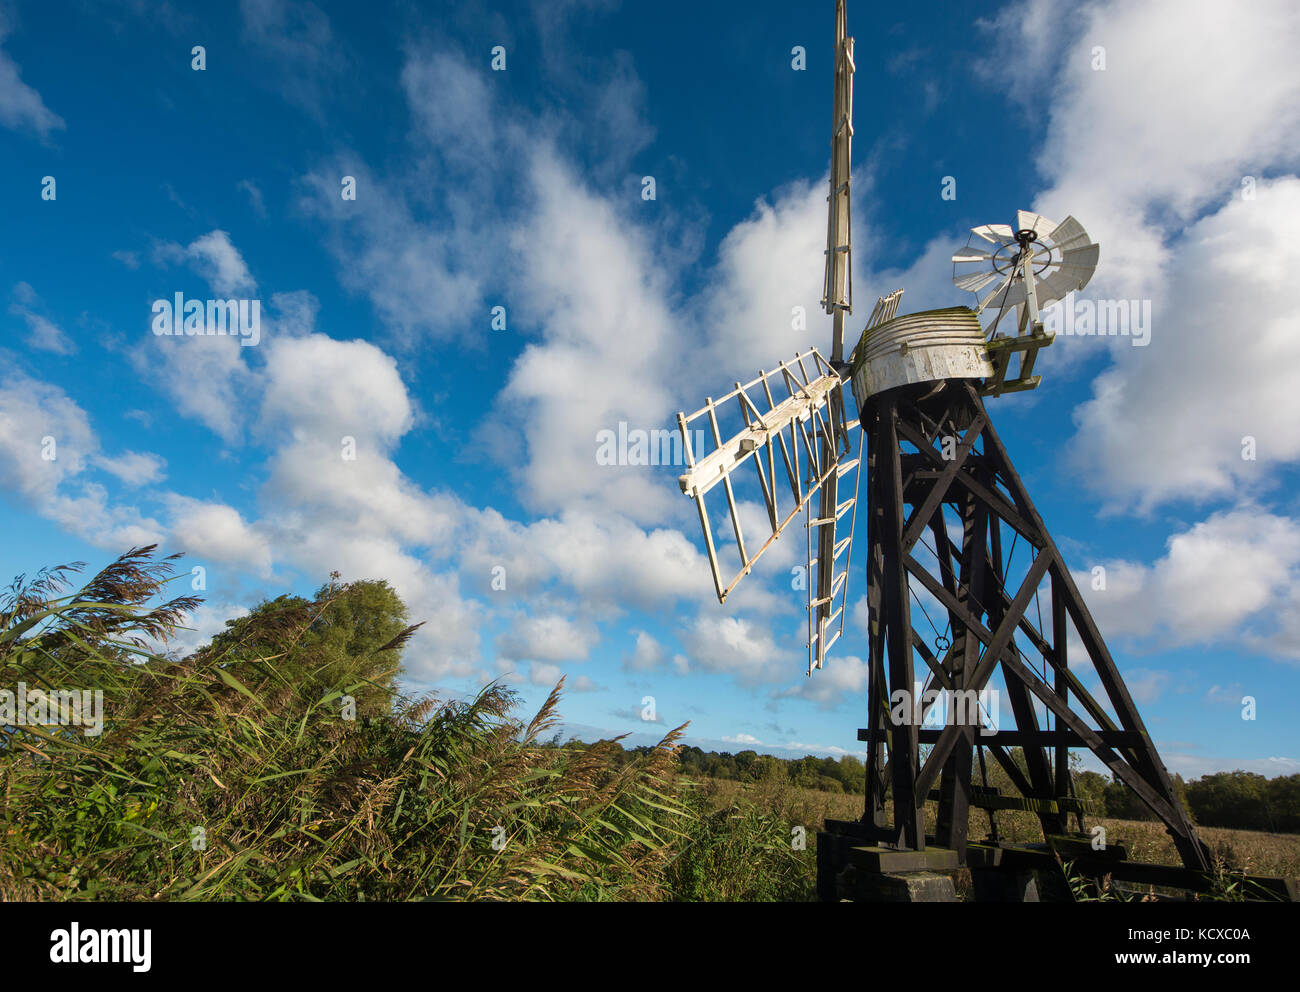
<point>46,444</point>
<point>423,280</point>
<point>647,655</point>
<point>210,377</point>
<point>1170,421</point>
<point>840,676</point>
<point>550,637</point>
<point>214,532</point>
<point>607,347</point>
<point>375,406</point>
<point>739,646</point>
<point>1231,578</point>
<point>205,376</point>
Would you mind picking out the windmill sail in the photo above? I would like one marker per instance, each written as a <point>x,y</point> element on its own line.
<point>793,429</point>
<point>812,412</point>
<point>837,296</point>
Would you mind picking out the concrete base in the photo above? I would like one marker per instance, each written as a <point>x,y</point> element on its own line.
<point>1001,885</point>
<point>861,885</point>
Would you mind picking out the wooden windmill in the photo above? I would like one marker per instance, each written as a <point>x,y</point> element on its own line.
<point>949,523</point>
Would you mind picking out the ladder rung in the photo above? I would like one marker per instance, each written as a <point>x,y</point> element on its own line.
<point>841,546</point>
<point>843,508</point>
<point>835,589</point>
<point>847,466</point>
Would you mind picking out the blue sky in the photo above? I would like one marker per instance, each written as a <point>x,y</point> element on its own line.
<point>522,188</point>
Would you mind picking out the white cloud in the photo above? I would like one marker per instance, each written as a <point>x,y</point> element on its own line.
<point>214,532</point>
<point>46,443</point>
<point>374,406</point>
<point>550,637</point>
<point>610,562</point>
<point>42,334</point>
<point>217,260</point>
<point>1181,108</point>
<point>299,45</point>
<point>768,264</point>
<point>1231,578</point>
<point>209,377</point>
<point>1168,421</point>
<point>450,104</point>
<point>543,674</point>
<point>214,257</point>
<point>134,468</point>
<point>254,192</point>
<point>204,622</point>
<point>739,646</point>
<point>205,376</point>
<point>422,279</point>
<point>648,654</point>
<point>21,107</point>
<point>839,676</point>
<point>1146,685</point>
<point>590,280</point>
<point>1230,695</point>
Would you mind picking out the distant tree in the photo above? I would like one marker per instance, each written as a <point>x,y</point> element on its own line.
<point>1091,788</point>
<point>1284,800</point>
<point>1237,799</point>
<point>745,762</point>
<point>767,768</point>
<point>348,636</point>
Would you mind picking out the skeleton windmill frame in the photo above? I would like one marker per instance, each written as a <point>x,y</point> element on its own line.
<point>910,467</point>
<point>936,467</point>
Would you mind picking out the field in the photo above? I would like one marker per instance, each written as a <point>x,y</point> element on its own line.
<point>1251,851</point>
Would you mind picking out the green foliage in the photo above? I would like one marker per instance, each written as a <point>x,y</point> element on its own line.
<point>845,774</point>
<point>1246,801</point>
<point>741,853</point>
<point>1091,788</point>
<point>1086,889</point>
<point>244,746</point>
<point>351,632</point>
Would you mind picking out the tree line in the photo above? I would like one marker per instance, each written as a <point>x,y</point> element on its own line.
<point>1237,800</point>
